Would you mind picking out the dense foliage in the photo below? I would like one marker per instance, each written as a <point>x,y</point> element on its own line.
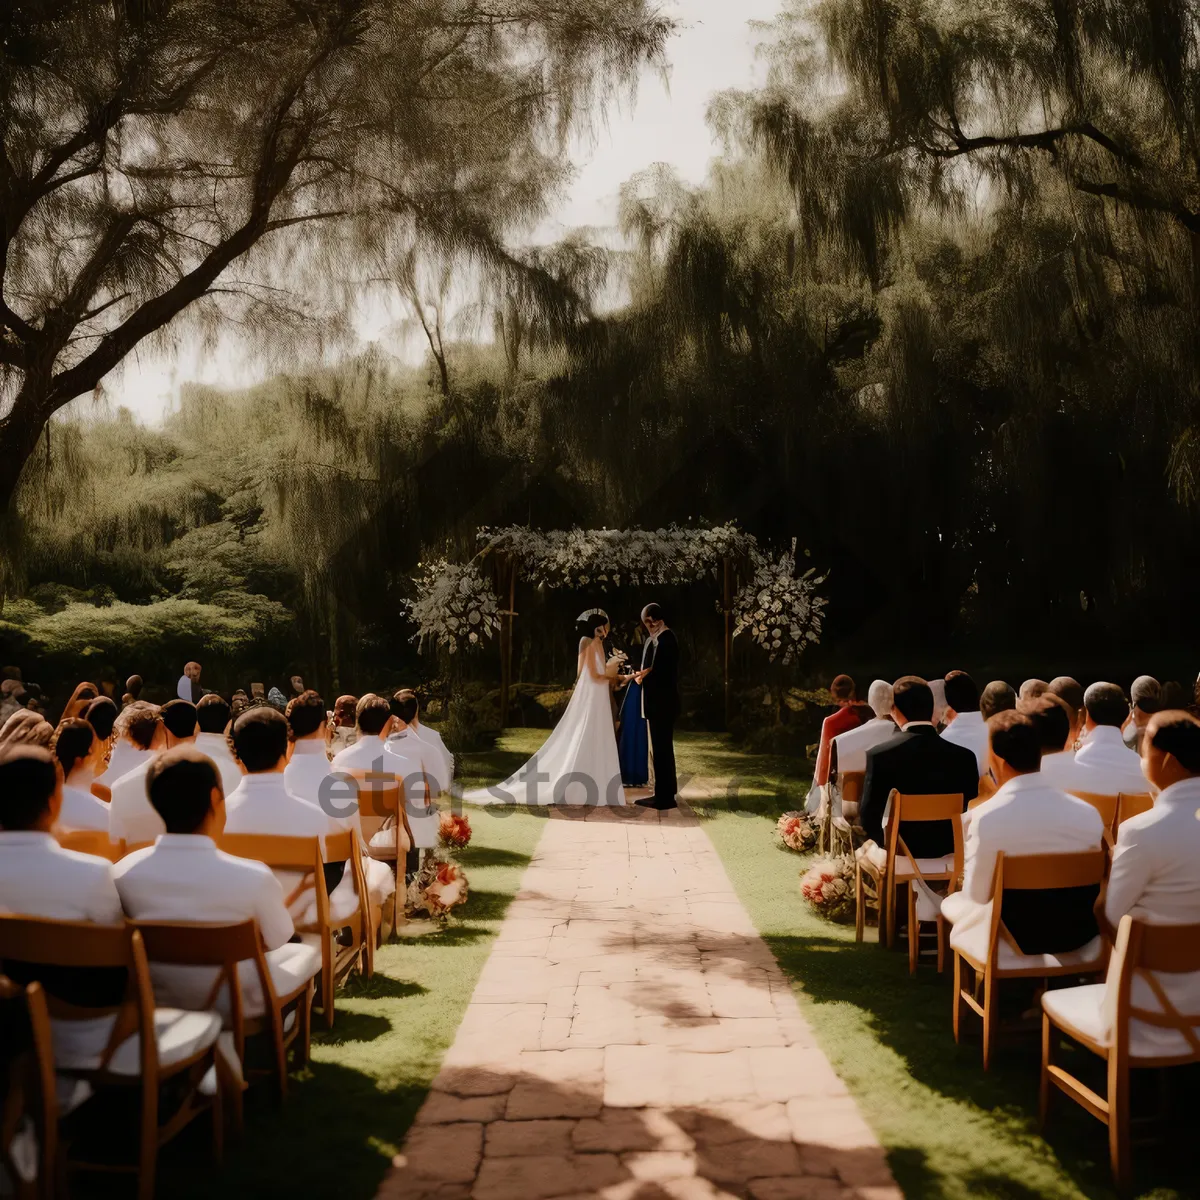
<point>935,312</point>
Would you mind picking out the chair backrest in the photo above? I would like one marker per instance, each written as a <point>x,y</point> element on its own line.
<point>380,797</point>
<point>1024,873</point>
<point>1131,804</point>
<point>941,807</point>
<point>75,945</point>
<point>1150,951</point>
<point>102,791</point>
<point>279,853</point>
<point>91,841</point>
<point>1106,806</point>
<point>27,1085</point>
<point>212,944</point>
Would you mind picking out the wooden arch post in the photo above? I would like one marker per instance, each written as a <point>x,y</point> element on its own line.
<point>509,567</point>
<point>727,609</point>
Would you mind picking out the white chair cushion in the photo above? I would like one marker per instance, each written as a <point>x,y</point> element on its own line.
<point>383,844</point>
<point>381,881</point>
<point>1081,1010</point>
<point>179,1033</point>
<point>971,938</point>
<point>290,967</point>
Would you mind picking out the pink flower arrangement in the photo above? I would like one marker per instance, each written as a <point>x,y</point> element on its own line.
<point>454,830</point>
<point>797,832</point>
<point>439,887</point>
<point>828,885</point>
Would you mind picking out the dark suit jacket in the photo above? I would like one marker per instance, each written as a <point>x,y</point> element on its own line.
<point>660,691</point>
<point>917,762</point>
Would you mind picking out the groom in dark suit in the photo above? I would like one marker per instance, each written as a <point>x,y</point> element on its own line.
<point>659,678</point>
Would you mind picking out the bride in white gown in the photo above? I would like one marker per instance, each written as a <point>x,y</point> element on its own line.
<point>578,762</point>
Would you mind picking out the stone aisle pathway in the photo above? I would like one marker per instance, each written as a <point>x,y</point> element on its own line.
<point>632,1036</point>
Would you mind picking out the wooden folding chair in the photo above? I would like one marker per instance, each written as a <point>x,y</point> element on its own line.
<point>147,1046</point>
<point>91,841</point>
<point>1027,872</point>
<point>381,802</point>
<point>1132,804</point>
<point>1106,806</point>
<point>1142,952</point>
<point>224,947</point>
<point>27,1088</point>
<point>850,784</point>
<point>102,791</point>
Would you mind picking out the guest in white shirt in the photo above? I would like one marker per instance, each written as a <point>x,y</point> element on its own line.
<point>262,804</point>
<point>131,817</point>
<point>1027,815</point>
<point>964,722</point>
<point>79,752</point>
<point>213,715</point>
<point>1103,765</point>
<point>184,877</point>
<point>372,722</point>
<point>1070,692</point>
<point>1155,873</point>
<point>101,715</point>
<point>136,730</point>
<point>341,724</point>
<point>38,878</point>
<point>188,687</point>
<point>444,775</point>
<point>848,751</point>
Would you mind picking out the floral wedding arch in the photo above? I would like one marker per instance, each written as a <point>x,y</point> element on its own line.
<point>457,607</point>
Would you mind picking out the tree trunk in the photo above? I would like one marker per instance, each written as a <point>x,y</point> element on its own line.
<point>20,430</point>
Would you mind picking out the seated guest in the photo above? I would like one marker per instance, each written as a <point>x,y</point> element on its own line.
<point>1145,699</point>
<point>1028,815</point>
<point>1103,765</point>
<point>964,721</point>
<point>916,761</point>
<point>133,690</point>
<point>26,728</point>
<point>262,804</point>
<point>1051,717</point>
<point>38,878</point>
<point>1031,689</point>
<point>849,750</point>
<point>430,736</point>
<point>1155,874</point>
<point>938,688</point>
<point>101,715</point>
<point>213,715</point>
<point>79,751</point>
<point>1174,696</point>
<point>415,763</point>
<point>845,718</point>
<point>184,877</point>
<point>131,817</point>
<point>997,697</point>
<point>138,736</point>
<point>341,724</point>
<point>372,723</point>
<point>81,697</point>
<point>1070,692</point>
<point>309,766</point>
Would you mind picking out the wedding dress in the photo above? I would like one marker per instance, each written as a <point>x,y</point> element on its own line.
<point>578,762</point>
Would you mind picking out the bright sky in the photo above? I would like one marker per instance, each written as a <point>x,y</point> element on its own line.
<point>713,50</point>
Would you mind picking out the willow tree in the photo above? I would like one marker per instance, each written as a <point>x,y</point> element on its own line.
<point>162,158</point>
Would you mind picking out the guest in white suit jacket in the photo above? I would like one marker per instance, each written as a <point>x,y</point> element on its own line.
<point>965,725</point>
<point>372,723</point>
<point>213,715</point>
<point>849,750</point>
<point>263,804</point>
<point>1027,815</point>
<point>1103,765</point>
<point>406,711</point>
<point>38,878</point>
<point>131,816</point>
<point>79,752</point>
<point>1155,872</point>
<point>139,735</point>
<point>184,877</point>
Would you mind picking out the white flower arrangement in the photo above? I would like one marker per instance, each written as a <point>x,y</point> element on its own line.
<point>780,610</point>
<point>455,606</point>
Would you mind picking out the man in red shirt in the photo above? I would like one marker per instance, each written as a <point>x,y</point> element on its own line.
<point>845,719</point>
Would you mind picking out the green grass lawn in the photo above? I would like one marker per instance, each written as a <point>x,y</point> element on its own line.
<point>951,1131</point>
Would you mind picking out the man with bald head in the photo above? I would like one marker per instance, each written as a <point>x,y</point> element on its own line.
<point>1145,699</point>
<point>848,751</point>
<point>1103,765</point>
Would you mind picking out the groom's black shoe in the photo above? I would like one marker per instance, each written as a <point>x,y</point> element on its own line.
<point>661,805</point>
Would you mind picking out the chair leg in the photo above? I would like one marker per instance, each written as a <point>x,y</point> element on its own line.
<point>914,931</point>
<point>989,1018</point>
<point>942,939</point>
<point>1044,1086</point>
<point>217,1113</point>
<point>1118,1125</point>
<point>891,913</point>
<point>958,974</point>
<point>328,983</point>
<point>304,1035</point>
<point>860,896</point>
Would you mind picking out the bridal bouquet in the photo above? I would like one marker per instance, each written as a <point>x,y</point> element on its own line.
<point>616,660</point>
<point>828,885</point>
<point>439,886</point>
<point>454,830</point>
<point>797,832</point>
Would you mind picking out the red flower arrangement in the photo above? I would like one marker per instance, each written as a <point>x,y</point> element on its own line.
<point>454,830</point>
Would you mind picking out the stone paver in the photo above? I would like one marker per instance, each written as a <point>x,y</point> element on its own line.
<point>631,1037</point>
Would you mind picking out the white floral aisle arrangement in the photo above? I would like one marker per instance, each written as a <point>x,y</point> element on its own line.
<point>455,607</point>
<point>439,887</point>
<point>797,832</point>
<point>828,885</point>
